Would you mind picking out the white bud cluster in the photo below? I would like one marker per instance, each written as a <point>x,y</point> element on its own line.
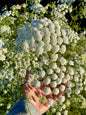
<point>62,88</point>
<point>36,83</point>
<point>47,90</point>
<point>63,61</point>
<point>55,91</point>
<point>50,71</point>
<point>59,81</point>
<point>53,84</point>
<point>47,81</point>
<point>61,99</point>
<point>50,102</point>
<point>54,76</point>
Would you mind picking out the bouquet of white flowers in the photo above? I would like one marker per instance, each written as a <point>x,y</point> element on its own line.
<point>46,44</point>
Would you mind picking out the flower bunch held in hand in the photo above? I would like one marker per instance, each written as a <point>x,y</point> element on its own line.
<point>46,45</point>
<point>38,97</point>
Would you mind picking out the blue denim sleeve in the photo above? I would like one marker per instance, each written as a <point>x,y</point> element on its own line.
<point>22,108</point>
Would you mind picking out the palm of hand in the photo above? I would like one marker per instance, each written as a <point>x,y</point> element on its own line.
<point>34,94</point>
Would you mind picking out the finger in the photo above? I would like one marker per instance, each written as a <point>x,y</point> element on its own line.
<point>27,75</point>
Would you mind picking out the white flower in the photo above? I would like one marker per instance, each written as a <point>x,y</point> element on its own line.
<point>47,47</point>
<point>68,91</point>
<point>8,85</point>
<point>65,40</point>
<point>5,50</point>
<point>63,106</point>
<point>54,76</point>
<point>5,29</point>
<point>81,70</point>
<point>50,102</point>
<point>55,48</point>
<point>57,24</point>
<point>67,77</point>
<point>44,59</point>
<point>55,91</point>
<point>57,70</point>
<point>76,78</point>
<point>49,71</point>
<point>47,90</point>
<point>62,49</point>
<point>54,37</point>
<point>37,8</point>
<point>63,61</point>
<point>65,112</point>
<point>54,41</point>
<point>38,36</point>
<point>59,41</point>
<point>58,113</point>
<point>47,81</point>
<point>36,84</point>
<point>42,73</point>
<point>39,50</point>
<point>4,91</point>
<point>53,84</point>
<point>62,88</point>
<point>13,90</point>
<point>64,80</point>
<point>32,43</point>
<point>63,68</point>
<point>8,106</point>
<point>25,45</point>
<point>77,91</point>
<point>5,81</point>
<point>61,99</point>
<point>53,66</point>
<point>71,71</point>
<point>58,33</point>
<point>53,110</point>
<point>71,62</point>
<point>68,102</point>
<point>54,57</point>
<point>46,39</point>
<point>59,81</point>
<point>61,75</point>
<point>69,84</point>
<point>2,57</point>
<point>24,5</point>
<point>2,86</point>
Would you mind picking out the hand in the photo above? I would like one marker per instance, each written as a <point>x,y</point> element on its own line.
<point>30,91</point>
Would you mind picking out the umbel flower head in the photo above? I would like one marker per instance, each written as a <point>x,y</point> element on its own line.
<point>46,49</point>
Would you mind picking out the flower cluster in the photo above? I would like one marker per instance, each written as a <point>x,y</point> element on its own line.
<point>65,1</point>
<point>3,49</point>
<point>46,43</point>
<point>48,50</point>
<point>5,29</point>
<point>37,8</point>
<point>34,2</point>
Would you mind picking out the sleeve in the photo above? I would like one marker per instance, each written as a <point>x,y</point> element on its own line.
<point>23,108</point>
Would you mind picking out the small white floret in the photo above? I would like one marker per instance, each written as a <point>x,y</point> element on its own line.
<point>47,81</point>
<point>53,84</point>
<point>55,91</point>
<point>54,76</point>
<point>47,90</point>
<point>62,88</point>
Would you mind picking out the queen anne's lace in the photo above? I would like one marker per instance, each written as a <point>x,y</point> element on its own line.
<point>45,49</point>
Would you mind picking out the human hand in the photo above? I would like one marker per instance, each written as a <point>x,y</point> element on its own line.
<point>30,91</point>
